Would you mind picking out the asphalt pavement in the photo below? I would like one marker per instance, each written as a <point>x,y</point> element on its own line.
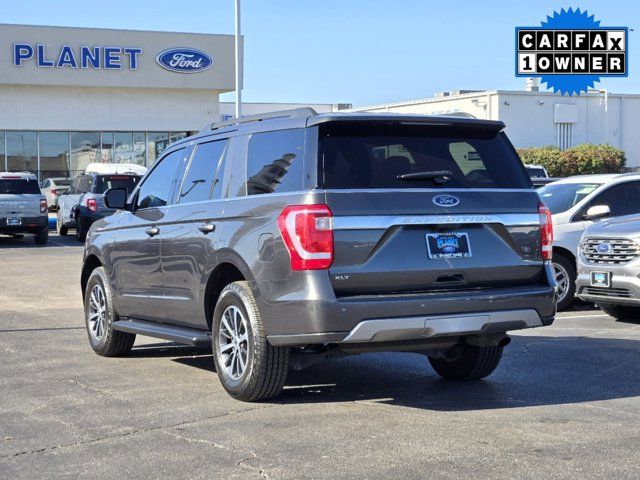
<point>564,402</point>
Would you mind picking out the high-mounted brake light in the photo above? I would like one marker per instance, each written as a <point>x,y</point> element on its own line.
<point>546,231</point>
<point>92,205</point>
<point>43,205</point>
<point>307,231</point>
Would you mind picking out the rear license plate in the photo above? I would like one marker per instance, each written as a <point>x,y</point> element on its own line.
<point>601,279</point>
<point>448,245</point>
<point>12,222</point>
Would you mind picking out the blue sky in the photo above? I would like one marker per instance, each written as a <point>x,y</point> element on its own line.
<point>356,51</point>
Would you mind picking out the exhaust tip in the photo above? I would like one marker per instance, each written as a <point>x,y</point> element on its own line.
<point>504,342</point>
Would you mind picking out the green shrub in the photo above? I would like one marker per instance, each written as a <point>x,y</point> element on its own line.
<point>578,160</point>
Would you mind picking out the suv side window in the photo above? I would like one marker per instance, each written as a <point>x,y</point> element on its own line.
<point>622,199</point>
<point>275,162</point>
<point>203,173</point>
<point>73,188</point>
<point>158,187</point>
<point>83,184</point>
<point>90,182</point>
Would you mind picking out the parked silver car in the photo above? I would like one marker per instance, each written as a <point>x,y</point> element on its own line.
<point>52,188</point>
<point>570,201</point>
<point>609,265</point>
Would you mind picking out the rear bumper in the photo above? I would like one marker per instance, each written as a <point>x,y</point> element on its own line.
<point>406,317</point>
<point>94,216</point>
<point>29,225</point>
<point>392,329</point>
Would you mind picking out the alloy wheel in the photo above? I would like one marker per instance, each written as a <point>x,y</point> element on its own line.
<point>562,279</point>
<point>233,342</point>
<point>97,312</point>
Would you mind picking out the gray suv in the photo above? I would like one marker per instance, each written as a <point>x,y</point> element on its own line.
<point>288,238</point>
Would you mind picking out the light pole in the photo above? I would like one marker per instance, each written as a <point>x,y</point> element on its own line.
<point>238,61</point>
<point>606,115</point>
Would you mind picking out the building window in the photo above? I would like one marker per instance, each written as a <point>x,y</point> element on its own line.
<point>22,151</point>
<point>3,160</point>
<point>85,149</point>
<point>123,147</point>
<point>139,148</point>
<point>175,136</point>
<point>156,143</point>
<point>107,147</point>
<point>54,154</point>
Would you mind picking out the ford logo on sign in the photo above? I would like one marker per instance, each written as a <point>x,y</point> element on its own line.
<point>446,200</point>
<point>184,60</point>
<point>603,247</point>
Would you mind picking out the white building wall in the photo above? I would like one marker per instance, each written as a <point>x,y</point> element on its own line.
<point>469,103</point>
<point>529,116</point>
<point>30,107</point>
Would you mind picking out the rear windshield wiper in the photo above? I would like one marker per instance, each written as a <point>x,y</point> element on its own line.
<point>438,176</point>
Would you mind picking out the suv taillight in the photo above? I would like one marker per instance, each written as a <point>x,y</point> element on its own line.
<point>43,205</point>
<point>307,231</point>
<point>92,205</point>
<point>546,231</point>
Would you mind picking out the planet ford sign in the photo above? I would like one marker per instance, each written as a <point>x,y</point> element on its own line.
<point>184,60</point>
<point>180,60</point>
<point>95,57</point>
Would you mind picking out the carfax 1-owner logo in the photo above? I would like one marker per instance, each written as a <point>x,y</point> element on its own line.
<point>571,51</point>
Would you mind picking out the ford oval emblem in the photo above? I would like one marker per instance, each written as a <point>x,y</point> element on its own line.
<point>603,247</point>
<point>446,200</point>
<point>184,60</point>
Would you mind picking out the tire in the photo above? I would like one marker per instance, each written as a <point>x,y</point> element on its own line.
<point>60,228</point>
<point>473,363</point>
<point>43,237</point>
<point>98,300</point>
<point>565,267</point>
<point>81,229</point>
<point>266,366</point>
<point>620,312</point>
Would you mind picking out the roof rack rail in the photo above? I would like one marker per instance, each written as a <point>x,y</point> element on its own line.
<point>294,112</point>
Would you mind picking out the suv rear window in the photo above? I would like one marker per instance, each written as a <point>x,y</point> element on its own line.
<point>375,156</point>
<point>105,182</point>
<point>19,186</point>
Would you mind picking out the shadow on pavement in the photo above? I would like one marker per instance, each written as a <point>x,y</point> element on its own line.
<point>534,371</point>
<point>27,241</point>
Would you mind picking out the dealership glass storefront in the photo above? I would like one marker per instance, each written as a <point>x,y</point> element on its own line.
<point>55,153</point>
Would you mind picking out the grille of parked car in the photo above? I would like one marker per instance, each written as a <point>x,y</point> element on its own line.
<point>607,292</point>
<point>609,250</point>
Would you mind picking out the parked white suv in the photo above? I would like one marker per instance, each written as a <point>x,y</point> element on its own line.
<point>570,201</point>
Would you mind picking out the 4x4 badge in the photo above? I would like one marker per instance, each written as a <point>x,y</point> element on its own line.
<point>445,200</point>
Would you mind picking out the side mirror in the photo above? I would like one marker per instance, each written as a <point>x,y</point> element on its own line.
<point>597,211</point>
<point>116,198</point>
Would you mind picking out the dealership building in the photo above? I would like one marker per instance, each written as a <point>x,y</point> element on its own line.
<point>73,96</point>
<point>536,118</point>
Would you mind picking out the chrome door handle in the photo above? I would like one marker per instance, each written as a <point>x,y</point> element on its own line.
<point>152,231</point>
<point>207,228</point>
